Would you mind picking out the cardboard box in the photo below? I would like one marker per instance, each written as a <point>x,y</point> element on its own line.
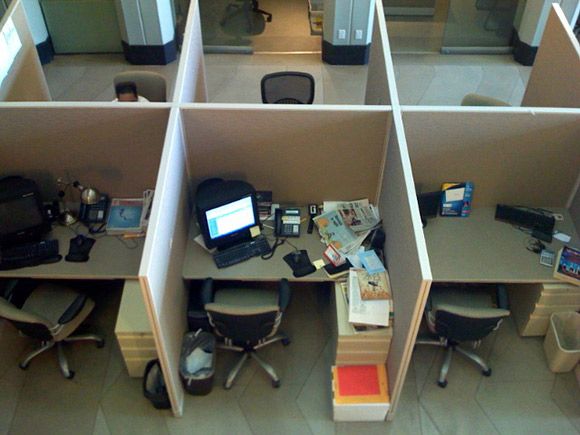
<point>360,393</point>
<point>456,199</point>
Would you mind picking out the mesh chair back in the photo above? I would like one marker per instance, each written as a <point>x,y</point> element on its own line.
<point>287,87</point>
<point>149,84</point>
<point>459,328</point>
<point>243,329</point>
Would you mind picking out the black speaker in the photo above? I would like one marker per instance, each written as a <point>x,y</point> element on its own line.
<point>428,205</point>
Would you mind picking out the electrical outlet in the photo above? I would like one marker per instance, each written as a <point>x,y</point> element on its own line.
<point>358,34</point>
<point>341,33</point>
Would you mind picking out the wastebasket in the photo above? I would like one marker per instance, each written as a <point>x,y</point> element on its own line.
<point>562,342</point>
<point>197,362</point>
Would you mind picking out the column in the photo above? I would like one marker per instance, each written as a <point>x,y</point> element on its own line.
<point>147,31</point>
<point>38,29</point>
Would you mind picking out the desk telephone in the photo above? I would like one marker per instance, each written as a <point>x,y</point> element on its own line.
<point>287,222</point>
<point>94,213</point>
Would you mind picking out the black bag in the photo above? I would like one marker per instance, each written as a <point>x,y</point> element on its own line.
<point>154,386</point>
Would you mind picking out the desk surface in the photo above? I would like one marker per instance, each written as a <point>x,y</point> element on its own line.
<point>481,249</point>
<point>110,258</point>
<point>199,264</point>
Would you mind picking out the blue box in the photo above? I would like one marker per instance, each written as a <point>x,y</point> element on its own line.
<point>456,199</point>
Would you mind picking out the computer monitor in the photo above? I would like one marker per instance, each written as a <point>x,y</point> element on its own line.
<point>21,215</point>
<point>226,210</point>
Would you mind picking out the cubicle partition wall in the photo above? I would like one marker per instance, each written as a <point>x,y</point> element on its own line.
<point>116,150</point>
<point>303,154</point>
<point>555,77</point>
<point>190,83</point>
<point>160,274</point>
<point>380,88</point>
<point>512,155</point>
<point>24,80</point>
<point>405,255</point>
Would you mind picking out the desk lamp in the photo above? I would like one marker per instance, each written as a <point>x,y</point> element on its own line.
<point>89,195</point>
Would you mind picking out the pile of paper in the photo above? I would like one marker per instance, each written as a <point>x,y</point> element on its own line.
<point>369,298</point>
<point>345,225</point>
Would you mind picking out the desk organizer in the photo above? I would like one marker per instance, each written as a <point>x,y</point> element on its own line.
<point>354,347</point>
<point>532,304</point>
<point>133,331</point>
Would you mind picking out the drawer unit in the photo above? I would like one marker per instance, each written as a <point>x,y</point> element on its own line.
<point>354,347</point>
<point>133,331</point>
<point>532,304</point>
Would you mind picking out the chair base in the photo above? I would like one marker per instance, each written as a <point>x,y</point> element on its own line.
<point>251,353</point>
<point>451,347</point>
<point>62,361</point>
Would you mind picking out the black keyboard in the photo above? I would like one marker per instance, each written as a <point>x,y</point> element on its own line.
<point>242,252</point>
<point>29,254</point>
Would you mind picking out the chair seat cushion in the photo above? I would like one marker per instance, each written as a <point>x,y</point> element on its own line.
<point>465,302</point>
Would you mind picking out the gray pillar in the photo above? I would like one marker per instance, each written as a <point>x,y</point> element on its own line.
<point>348,26</point>
<point>147,31</point>
<point>38,29</point>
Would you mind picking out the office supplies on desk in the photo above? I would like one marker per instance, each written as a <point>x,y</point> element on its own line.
<point>300,263</point>
<point>456,199</point>
<point>22,217</point>
<point>125,216</point>
<point>29,254</point>
<point>568,265</point>
<point>540,222</point>
<point>79,248</point>
<point>287,222</point>
<point>313,212</point>
<point>241,252</point>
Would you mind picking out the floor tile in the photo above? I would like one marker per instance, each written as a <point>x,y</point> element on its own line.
<point>450,84</point>
<point>10,388</point>
<point>127,411</point>
<point>427,425</point>
<point>516,358</point>
<point>412,82</point>
<point>217,413</point>
<point>101,427</point>
<point>273,410</point>
<point>566,395</point>
<point>523,408</point>
<point>315,398</point>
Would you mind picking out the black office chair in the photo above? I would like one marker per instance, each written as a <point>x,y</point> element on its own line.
<point>247,8</point>
<point>456,315</point>
<point>49,313</point>
<point>287,87</point>
<point>247,319</point>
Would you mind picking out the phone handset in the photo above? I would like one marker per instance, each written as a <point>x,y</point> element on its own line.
<point>287,222</point>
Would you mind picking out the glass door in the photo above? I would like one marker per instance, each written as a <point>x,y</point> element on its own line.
<point>479,26</point>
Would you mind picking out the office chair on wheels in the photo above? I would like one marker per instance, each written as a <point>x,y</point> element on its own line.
<point>50,313</point>
<point>455,315</point>
<point>287,87</point>
<point>247,7</point>
<point>247,319</point>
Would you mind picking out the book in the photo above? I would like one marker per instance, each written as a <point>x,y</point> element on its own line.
<point>360,384</point>
<point>373,285</point>
<point>125,216</point>
<point>568,265</point>
<point>365,312</point>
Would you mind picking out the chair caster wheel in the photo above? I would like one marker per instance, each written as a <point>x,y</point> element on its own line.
<point>71,374</point>
<point>276,384</point>
<point>100,344</point>
<point>442,384</point>
<point>269,19</point>
<point>23,366</point>
<point>286,341</point>
<point>227,386</point>
<point>486,372</point>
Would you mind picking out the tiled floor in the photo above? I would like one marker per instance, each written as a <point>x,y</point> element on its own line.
<point>522,395</point>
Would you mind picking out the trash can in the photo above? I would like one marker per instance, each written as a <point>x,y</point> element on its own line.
<point>562,342</point>
<point>197,362</point>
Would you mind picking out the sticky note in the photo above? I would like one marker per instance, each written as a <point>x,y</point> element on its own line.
<point>255,231</point>
<point>319,264</point>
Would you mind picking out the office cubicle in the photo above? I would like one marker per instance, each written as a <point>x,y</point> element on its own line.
<point>21,75</point>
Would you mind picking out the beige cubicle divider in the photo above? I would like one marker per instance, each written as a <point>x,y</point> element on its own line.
<point>406,257</point>
<point>512,155</point>
<point>380,89</point>
<point>25,79</point>
<point>160,274</point>
<point>114,149</point>
<point>555,77</point>
<point>190,84</point>
<point>304,154</point>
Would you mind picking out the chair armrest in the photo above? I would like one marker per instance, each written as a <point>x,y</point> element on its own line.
<point>207,291</point>
<point>284,294</point>
<point>73,310</point>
